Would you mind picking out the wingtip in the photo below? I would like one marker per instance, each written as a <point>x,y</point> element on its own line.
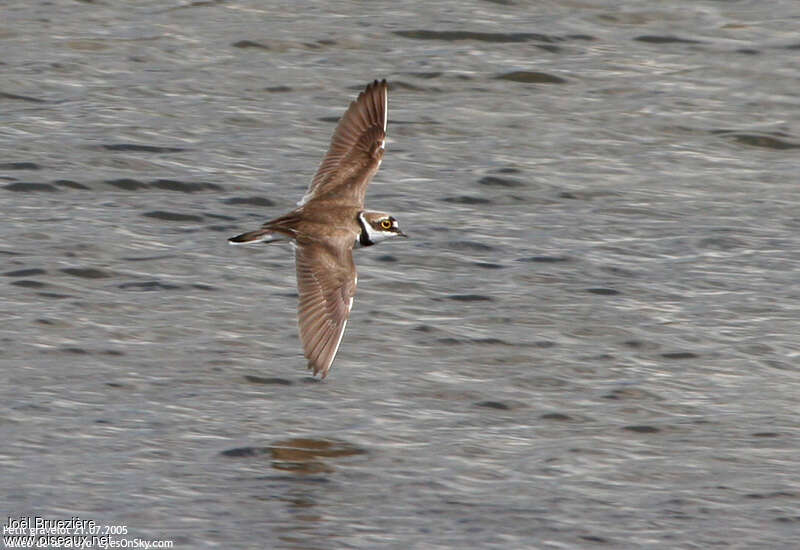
<point>377,83</point>
<point>318,370</point>
<point>383,90</point>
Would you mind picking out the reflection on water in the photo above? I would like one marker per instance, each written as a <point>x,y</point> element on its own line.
<point>300,455</point>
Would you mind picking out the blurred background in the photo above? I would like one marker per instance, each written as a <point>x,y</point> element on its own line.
<point>590,340</point>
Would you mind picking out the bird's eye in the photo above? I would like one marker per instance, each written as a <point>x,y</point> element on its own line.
<point>386,224</point>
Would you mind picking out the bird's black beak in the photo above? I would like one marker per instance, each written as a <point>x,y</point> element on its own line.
<point>401,234</point>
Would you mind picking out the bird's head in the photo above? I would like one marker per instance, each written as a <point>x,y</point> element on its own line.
<point>377,227</point>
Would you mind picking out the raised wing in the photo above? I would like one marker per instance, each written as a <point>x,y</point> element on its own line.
<point>326,281</point>
<point>356,149</point>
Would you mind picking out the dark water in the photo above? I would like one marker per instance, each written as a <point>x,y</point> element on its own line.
<point>591,339</point>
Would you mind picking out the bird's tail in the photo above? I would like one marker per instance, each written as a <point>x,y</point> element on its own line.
<point>257,236</point>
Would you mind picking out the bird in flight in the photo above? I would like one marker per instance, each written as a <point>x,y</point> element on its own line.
<point>329,222</point>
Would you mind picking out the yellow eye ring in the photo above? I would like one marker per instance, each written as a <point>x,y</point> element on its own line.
<point>386,224</point>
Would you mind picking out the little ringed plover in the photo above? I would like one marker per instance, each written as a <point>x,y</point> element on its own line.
<point>329,222</point>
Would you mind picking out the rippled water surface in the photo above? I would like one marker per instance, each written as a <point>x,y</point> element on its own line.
<point>591,339</point>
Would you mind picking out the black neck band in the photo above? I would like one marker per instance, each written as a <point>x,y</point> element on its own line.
<point>363,238</point>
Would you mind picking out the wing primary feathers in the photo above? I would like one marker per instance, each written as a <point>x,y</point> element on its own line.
<point>355,150</point>
<point>326,279</point>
